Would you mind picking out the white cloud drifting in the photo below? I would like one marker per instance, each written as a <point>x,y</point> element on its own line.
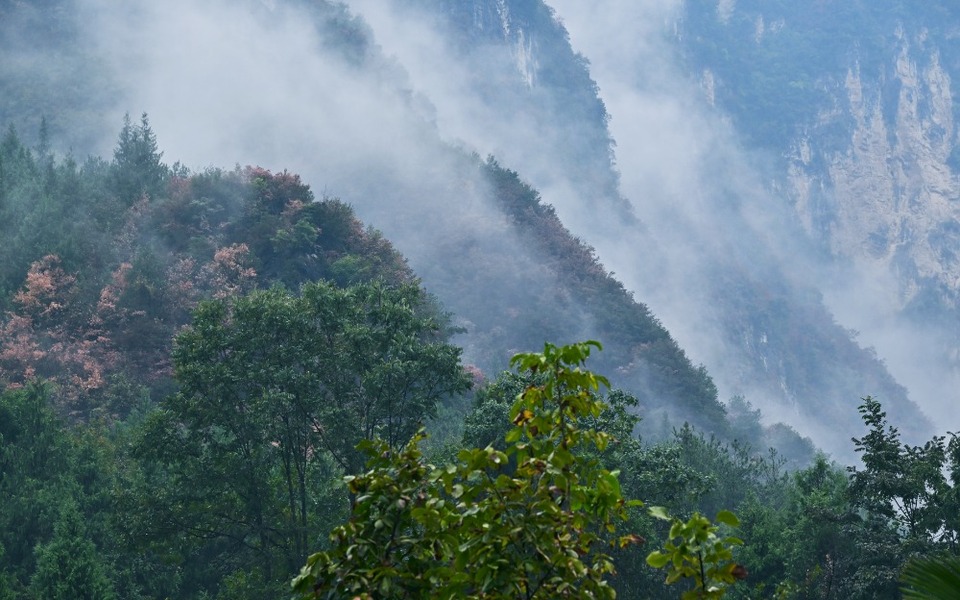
<point>245,82</point>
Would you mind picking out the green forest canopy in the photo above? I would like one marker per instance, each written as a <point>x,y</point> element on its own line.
<point>182,395</point>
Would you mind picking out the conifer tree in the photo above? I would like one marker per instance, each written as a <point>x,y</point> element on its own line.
<point>137,168</point>
<point>69,566</point>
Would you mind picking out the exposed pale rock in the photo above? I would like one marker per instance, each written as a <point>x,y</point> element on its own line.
<point>890,193</point>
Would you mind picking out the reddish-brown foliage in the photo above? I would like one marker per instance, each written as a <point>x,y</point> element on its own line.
<point>44,339</point>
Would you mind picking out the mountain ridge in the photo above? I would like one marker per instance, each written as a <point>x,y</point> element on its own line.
<point>391,158</point>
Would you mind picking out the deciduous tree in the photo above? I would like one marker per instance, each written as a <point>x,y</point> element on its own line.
<point>535,520</point>
<point>276,390</point>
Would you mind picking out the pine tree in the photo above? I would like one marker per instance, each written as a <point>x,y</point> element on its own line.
<point>138,170</point>
<point>69,567</point>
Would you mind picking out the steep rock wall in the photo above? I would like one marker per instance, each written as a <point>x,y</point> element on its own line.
<point>890,196</point>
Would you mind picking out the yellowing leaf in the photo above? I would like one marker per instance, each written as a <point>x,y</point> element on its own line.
<point>659,512</point>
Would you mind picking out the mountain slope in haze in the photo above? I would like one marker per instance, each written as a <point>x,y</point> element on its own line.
<point>480,240</point>
<point>720,260</point>
<point>50,72</point>
<point>855,101</point>
<point>367,128</point>
<point>517,75</point>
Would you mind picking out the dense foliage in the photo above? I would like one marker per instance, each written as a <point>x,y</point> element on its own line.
<point>183,393</point>
<point>526,522</point>
<point>97,313</point>
<point>143,510</point>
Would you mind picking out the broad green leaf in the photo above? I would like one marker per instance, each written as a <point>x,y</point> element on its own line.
<point>728,518</point>
<point>657,560</point>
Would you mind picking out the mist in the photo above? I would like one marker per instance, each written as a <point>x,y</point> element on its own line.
<point>669,137</point>
<point>685,174</point>
<point>695,193</point>
<point>921,354</point>
<point>245,83</point>
<point>237,82</point>
<point>677,196</point>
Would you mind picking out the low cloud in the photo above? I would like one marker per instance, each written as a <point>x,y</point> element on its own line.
<point>258,83</point>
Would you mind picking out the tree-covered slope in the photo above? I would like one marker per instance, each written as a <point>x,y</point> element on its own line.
<point>641,356</point>
<point>105,261</point>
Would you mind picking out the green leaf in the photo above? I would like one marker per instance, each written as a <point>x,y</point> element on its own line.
<point>657,560</point>
<point>733,541</point>
<point>932,579</point>
<point>728,518</point>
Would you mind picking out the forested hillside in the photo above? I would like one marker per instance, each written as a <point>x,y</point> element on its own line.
<point>105,261</point>
<point>211,377</point>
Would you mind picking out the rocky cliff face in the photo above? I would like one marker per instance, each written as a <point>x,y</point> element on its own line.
<point>855,103</point>
<point>494,20</point>
<point>887,199</point>
<point>888,195</point>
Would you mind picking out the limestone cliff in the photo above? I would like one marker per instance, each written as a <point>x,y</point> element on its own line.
<point>888,195</point>
<point>854,105</point>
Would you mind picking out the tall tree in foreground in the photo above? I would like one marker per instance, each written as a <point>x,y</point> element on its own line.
<point>908,506</point>
<point>276,392</point>
<point>527,522</point>
<point>538,519</point>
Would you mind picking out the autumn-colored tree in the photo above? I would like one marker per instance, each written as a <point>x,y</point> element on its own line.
<point>230,273</point>
<point>50,337</point>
